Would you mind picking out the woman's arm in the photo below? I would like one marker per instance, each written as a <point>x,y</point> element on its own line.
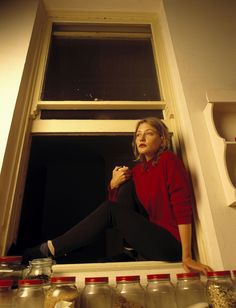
<point>190,265</point>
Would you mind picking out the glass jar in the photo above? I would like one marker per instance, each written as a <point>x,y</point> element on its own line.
<point>160,292</point>
<point>11,268</point>
<point>62,293</point>
<point>40,269</point>
<point>220,289</point>
<point>96,293</point>
<point>129,292</point>
<point>6,294</point>
<point>30,294</point>
<point>234,286</point>
<point>190,291</point>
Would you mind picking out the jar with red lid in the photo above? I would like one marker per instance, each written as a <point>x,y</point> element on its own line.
<point>190,291</point>
<point>160,292</point>
<point>11,268</point>
<point>129,292</point>
<point>40,269</point>
<point>30,294</point>
<point>6,294</point>
<point>220,289</point>
<point>62,293</point>
<point>97,293</point>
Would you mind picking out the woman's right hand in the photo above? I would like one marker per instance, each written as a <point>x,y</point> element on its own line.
<point>119,176</point>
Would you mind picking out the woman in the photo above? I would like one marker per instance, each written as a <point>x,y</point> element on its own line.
<point>151,205</point>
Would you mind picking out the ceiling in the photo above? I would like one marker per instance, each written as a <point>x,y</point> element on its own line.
<point>104,5</point>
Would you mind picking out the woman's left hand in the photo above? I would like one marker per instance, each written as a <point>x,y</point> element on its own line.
<point>191,265</point>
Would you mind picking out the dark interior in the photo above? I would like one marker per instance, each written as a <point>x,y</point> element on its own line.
<point>67,179</point>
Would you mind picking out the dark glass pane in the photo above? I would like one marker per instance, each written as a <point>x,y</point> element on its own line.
<point>100,69</point>
<point>100,114</point>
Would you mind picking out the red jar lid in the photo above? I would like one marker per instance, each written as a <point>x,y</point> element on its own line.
<point>218,274</point>
<point>6,283</point>
<point>96,279</point>
<point>30,282</point>
<point>69,279</point>
<point>10,259</point>
<point>187,275</point>
<point>158,276</point>
<point>234,272</point>
<point>128,278</point>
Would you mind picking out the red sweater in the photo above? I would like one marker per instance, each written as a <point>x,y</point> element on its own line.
<point>164,191</point>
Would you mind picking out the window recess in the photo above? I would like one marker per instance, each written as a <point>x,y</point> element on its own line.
<point>99,63</point>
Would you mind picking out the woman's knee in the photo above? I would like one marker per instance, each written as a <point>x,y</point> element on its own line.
<point>126,194</point>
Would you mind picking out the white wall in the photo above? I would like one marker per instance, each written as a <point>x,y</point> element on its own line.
<point>204,42</point>
<point>16,24</point>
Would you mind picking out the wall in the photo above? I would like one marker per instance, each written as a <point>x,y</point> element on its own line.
<point>204,44</point>
<point>16,24</point>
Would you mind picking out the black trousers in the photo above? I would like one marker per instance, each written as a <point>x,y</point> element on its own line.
<point>130,218</point>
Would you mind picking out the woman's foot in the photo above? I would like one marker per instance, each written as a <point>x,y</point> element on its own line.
<point>43,250</point>
<point>40,251</point>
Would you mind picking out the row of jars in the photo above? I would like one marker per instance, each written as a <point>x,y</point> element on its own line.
<point>159,292</point>
<point>188,290</point>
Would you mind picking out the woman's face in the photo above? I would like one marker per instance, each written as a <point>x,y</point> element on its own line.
<point>148,140</point>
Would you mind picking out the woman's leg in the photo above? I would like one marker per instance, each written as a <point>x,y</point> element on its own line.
<point>87,229</point>
<point>150,241</point>
<point>129,217</point>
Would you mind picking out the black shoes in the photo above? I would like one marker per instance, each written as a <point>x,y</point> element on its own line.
<point>27,254</point>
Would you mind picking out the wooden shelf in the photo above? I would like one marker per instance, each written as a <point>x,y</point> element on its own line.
<point>220,116</point>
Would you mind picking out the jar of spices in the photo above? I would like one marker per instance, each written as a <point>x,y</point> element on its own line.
<point>96,293</point>
<point>190,291</point>
<point>160,292</point>
<point>62,293</point>
<point>234,286</point>
<point>129,292</point>
<point>220,289</point>
<point>6,294</point>
<point>40,269</point>
<point>30,294</point>
<point>11,268</point>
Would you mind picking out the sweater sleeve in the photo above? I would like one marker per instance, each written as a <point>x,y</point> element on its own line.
<point>179,190</point>
<point>112,194</point>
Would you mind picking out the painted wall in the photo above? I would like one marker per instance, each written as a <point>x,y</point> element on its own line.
<point>16,24</point>
<point>204,43</point>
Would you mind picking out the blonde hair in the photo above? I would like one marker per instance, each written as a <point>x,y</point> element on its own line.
<point>162,130</point>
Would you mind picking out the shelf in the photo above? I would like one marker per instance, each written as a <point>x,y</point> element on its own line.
<point>220,116</point>
<point>230,161</point>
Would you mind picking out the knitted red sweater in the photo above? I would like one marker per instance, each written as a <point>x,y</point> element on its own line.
<point>164,191</point>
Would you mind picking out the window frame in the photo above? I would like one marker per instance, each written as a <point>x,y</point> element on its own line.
<point>150,20</point>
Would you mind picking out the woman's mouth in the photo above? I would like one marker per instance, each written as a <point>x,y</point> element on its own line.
<point>142,145</point>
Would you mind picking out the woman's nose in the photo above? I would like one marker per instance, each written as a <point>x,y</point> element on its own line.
<point>142,136</point>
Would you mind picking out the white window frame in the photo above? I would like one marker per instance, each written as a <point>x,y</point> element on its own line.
<point>30,124</point>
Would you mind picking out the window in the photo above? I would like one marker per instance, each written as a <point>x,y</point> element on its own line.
<point>101,62</point>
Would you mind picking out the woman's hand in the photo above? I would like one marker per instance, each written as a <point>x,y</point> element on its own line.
<point>119,176</point>
<point>191,265</point>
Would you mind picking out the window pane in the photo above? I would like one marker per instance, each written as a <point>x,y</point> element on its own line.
<point>100,69</point>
